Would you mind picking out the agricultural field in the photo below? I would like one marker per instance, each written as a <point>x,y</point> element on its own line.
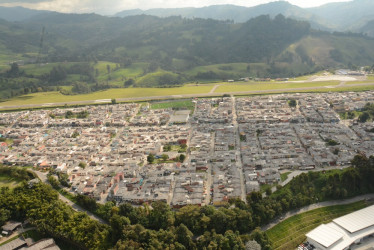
<point>291,232</point>
<point>230,70</point>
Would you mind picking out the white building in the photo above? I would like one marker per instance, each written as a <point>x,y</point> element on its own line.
<point>344,231</point>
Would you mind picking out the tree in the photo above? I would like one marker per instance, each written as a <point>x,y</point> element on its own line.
<point>167,148</point>
<point>182,157</point>
<point>82,165</point>
<point>364,117</point>
<point>150,158</point>
<point>54,182</point>
<point>165,157</point>
<point>161,216</point>
<point>292,103</point>
<point>248,67</point>
<point>75,134</point>
<point>114,101</point>
<point>108,68</point>
<point>4,216</point>
<point>117,224</point>
<point>268,191</point>
<point>14,70</point>
<point>184,236</point>
<point>129,82</point>
<point>81,88</point>
<point>69,114</point>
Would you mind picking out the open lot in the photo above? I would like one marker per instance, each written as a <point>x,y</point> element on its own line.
<point>271,86</point>
<point>187,104</point>
<point>291,232</point>
<point>189,90</point>
<point>57,97</point>
<point>6,181</point>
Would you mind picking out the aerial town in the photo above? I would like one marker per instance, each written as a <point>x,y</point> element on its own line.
<point>224,148</point>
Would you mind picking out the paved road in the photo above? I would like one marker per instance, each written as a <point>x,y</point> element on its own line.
<point>239,163</point>
<point>43,177</point>
<point>131,99</point>
<point>315,206</point>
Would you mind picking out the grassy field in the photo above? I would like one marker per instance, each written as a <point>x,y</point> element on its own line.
<point>6,181</point>
<point>56,97</point>
<point>284,176</point>
<point>291,232</point>
<point>270,86</point>
<point>186,104</point>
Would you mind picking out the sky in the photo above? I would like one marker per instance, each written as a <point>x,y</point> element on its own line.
<point>108,7</point>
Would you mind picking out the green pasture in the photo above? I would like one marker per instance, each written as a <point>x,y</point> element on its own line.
<point>187,104</point>
<point>57,97</point>
<point>291,232</point>
<point>10,182</point>
<point>270,86</point>
<point>41,69</point>
<point>284,176</point>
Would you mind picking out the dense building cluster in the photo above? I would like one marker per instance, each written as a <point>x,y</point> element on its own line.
<point>230,146</point>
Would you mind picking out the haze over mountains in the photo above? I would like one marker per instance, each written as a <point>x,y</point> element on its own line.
<point>354,16</point>
<point>344,16</point>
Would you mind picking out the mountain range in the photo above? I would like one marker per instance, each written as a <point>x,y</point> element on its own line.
<point>103,51</point>
<point>343,16</point>
<point>353,16</point>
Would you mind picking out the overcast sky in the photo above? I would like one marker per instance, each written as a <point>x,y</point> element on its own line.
<point>114,6</point>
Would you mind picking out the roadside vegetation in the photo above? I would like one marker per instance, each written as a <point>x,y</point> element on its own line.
<point>291,232</point>
<point>190,227</point>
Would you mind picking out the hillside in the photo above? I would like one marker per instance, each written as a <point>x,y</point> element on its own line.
<point>341,16</point>
<point>16,14</point>
<point>148,51</point>
<point>235,13</point>
<point>345,16</point>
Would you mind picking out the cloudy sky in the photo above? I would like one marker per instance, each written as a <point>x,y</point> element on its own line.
<point>114,6</point>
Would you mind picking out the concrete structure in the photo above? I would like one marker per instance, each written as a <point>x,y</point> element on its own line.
<point>344,231</point>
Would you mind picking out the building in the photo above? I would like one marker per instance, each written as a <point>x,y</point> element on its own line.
<point>344,232</point>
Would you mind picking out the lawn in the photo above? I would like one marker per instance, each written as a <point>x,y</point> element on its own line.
<point>6,181</point>
<point>186,104</point>
<point>57,97</point>
<point>291,232</point>
<point>271,86</point>
<point>284,176</point>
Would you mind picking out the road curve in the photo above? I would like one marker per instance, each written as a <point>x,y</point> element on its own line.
<point>148,98</point>
<point>315,206</point>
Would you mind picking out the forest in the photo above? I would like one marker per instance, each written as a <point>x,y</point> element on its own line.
<point>157,226</point>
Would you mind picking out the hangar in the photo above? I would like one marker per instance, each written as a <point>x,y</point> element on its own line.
<point>344,231</point>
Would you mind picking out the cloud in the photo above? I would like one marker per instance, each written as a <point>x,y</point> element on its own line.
<point>23,1</point>
<point>114,6</point>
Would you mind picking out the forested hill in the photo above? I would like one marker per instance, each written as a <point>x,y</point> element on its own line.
<point>147,38</point>
<point>164,51</point>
